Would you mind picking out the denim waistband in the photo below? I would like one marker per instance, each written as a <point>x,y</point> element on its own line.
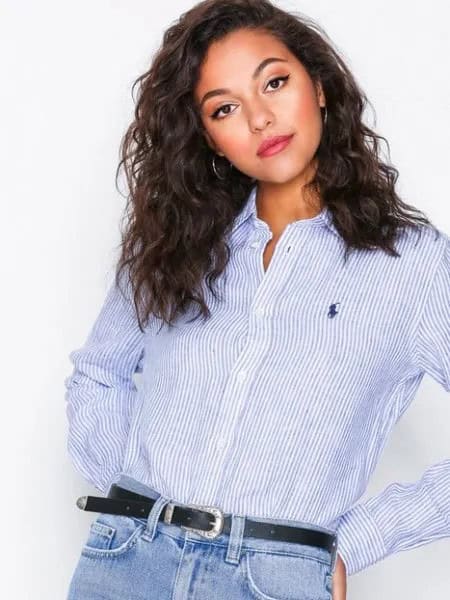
<point>234,541</point>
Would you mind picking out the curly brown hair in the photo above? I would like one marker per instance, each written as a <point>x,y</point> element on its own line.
<point>174,235</point>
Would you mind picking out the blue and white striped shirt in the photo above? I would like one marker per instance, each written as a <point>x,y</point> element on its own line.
<point>280,404</point>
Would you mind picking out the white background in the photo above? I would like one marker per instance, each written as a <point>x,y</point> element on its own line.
<point>67,70</point>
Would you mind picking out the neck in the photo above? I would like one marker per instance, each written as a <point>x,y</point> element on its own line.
<point>286,202</point>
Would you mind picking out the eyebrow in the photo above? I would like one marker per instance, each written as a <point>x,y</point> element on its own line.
<point>257,71</point>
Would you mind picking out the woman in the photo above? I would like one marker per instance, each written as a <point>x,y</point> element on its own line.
<point>258,197</point>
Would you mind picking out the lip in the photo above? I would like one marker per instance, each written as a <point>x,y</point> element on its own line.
<point>274,144</point>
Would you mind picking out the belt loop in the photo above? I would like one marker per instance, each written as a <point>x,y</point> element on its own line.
<point>334,553</point>
<point>153,517</point>
<point>235,539</point>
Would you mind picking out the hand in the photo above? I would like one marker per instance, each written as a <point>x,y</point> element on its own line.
<point>339,581</point>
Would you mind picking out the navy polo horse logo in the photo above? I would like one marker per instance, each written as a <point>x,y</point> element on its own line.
<point>332,310</point>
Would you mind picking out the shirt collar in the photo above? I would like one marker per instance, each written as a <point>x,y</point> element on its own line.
<point>323,219</point>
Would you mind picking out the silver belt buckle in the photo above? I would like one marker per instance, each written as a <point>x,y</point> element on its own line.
<point>210,534</point>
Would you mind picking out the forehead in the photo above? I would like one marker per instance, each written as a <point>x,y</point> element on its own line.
<point>237,54</point>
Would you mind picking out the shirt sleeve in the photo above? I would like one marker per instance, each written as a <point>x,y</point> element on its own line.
<point>100,392</point>
<point>406,515</point>
<point>433,333</point>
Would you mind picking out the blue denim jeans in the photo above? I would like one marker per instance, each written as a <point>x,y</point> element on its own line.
<point>128,558</point>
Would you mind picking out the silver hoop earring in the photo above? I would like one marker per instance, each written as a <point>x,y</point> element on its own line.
<point>215,168</point>
<point>325,117</point>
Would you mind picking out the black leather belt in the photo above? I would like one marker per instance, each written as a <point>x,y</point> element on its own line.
<point>200,518</point>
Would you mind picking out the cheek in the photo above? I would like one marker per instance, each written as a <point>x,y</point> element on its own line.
<point>308,126</point>
<point>307,114</point>
<point>234,143</point>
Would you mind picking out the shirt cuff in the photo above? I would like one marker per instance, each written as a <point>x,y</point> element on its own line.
<point>359,543</point>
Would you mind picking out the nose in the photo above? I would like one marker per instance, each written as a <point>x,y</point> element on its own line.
<point>260,118</point>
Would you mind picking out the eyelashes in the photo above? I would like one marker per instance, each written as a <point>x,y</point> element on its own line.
<point>216,112</point>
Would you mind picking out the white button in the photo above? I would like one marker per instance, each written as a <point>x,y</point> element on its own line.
<point>260,311</point>
<point>220,444</point>
<point>241,375</point>
<point>254,245</point>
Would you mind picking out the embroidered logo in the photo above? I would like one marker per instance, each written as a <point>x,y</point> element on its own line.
<point>332,309</point>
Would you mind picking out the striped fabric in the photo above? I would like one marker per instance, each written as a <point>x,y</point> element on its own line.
<point>280,405</point>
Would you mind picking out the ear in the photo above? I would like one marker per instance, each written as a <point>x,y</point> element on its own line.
<point>320,94</point>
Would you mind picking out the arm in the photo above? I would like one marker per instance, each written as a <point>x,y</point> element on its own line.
<point>100,393</point>
<point>406,515</point>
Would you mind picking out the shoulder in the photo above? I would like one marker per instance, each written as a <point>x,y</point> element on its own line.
<point>422,253</point>
<point>424,246</point>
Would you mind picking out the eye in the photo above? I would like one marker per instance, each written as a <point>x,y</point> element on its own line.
<point>278,79</point>
<point>216,112</point>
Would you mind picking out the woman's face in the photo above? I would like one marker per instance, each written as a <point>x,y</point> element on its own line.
<point>280,99</point>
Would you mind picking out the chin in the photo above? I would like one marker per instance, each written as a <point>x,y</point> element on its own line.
<point>280,173</point>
